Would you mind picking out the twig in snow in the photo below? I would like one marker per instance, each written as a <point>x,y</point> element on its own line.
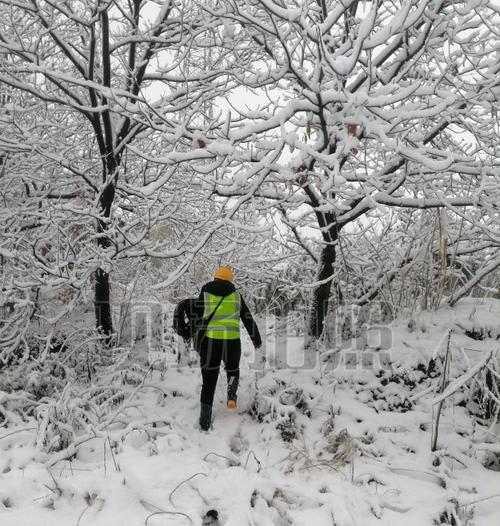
<point>419,472</point>
<point>442,388</point>
<point>259,465</point>
<point>56,489</point>
<point>232,461</point>
<point>18,431</point>
<point>113,455</point>
<point>180,484</point>
<point>159,511</point>
<point>168,513</point>
<point>81,515</point>
<point>478,501</point>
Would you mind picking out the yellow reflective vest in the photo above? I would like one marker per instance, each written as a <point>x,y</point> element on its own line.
<point>225,324</point>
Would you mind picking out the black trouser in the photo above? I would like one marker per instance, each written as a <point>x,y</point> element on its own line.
<point>211,353</point>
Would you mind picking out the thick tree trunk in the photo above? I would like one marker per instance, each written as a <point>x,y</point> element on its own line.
<point>111,161</point>
<point>321,293</point>
<point>104,321</point>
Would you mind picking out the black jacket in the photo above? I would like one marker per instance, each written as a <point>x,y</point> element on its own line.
<point>221,287</point>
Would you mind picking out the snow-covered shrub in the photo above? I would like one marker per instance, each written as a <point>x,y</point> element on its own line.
<point>455,515</point>
<point>391,392</point>
<point>52,363</point>
<point>61,419</point>
<point>279,404</point>
<point>482,396</point>
<point>328,425</point>
<point>37,380</point>
<point>339,448</point>
<point>491,460</point>
<point>39,371</point>
<point>287,428</point>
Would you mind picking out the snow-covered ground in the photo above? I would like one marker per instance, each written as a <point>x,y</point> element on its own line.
<point>328,443</point>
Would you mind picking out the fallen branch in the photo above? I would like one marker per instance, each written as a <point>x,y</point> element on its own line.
<point>462,380</point>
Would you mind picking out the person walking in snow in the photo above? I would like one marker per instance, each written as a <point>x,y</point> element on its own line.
<point>221,307</point>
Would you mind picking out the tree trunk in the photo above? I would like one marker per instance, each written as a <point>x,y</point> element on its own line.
<point>104,320</point>
<point>321,293</point>
<point>110,161</point>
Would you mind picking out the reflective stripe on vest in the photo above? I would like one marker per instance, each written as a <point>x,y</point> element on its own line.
<point>225,324</point>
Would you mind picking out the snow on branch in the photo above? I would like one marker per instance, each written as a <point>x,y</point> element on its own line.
<point>454,386</point>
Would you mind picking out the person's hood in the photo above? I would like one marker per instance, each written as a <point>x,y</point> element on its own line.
<point>219,287</point>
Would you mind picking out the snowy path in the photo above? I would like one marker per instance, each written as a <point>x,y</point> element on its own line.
<point>280,459</point>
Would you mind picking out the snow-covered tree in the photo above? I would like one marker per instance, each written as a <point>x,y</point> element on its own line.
<point>368,105</point>
<point>135,116</point>
<point>101,75</point>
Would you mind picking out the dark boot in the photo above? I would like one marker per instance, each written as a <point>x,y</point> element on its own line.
<point>205,416</point>
<point>232,387</point>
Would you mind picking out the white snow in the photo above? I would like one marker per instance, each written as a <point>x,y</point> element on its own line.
<point>309,443</point>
